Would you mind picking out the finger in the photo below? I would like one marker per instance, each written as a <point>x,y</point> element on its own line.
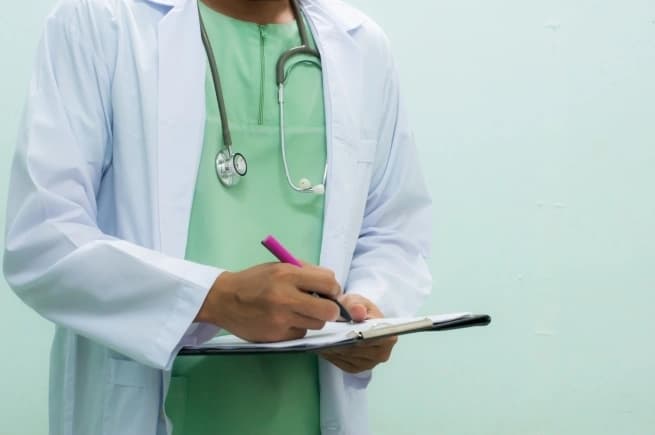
<point>373,312</point>
<point>354,354</point>
<point>351,351</point>
<point>363,308</point>
<point>313,307</point>
<point>343,365</point>
<point>295,333</point>
<point>346,365</point>
<point>372,358</point>
<point>355,307</point>
<point>357,312</point>
<point>380,352</point>
<point>304,322</point>
<point>379,342</point>
<point>319,280</point>
<point>310,278</point>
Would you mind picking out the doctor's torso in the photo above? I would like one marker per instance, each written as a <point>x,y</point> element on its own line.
<point>104,182</point>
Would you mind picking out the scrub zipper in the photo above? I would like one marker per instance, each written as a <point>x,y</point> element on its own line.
<point>262,62</point>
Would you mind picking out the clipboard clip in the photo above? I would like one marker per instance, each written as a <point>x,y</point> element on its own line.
<point>386,329</point>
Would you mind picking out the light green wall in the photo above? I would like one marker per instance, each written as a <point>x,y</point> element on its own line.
<point>24,337</point>
<point>536,121</point>
<point>535,124</point>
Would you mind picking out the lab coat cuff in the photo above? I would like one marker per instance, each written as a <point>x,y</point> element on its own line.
<point>359,380</point>
<point>202,333</point>
<point>198,333</point>
<point>180,329</point>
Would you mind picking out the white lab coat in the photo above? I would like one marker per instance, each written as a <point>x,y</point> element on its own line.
<point>102,186</point>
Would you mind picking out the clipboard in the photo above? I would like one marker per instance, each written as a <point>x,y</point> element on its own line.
<point>338,335</point>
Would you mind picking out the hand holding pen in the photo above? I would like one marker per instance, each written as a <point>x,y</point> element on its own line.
<point>271,302</point>
<point>282,254</point>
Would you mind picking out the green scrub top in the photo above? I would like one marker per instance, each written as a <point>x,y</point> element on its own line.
<point>254,394</point>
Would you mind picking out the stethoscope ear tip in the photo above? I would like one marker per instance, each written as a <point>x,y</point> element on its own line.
<point>319,189</point>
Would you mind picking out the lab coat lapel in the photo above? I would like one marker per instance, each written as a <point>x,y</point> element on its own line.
<point>342,71</point>
<point>182,113</point>
<point>341,75</point>
<point>181,116</point>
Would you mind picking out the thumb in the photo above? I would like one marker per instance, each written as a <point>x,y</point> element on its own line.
<point>355,307</point>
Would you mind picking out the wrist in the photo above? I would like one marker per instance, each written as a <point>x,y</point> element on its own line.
<point>210,310</point>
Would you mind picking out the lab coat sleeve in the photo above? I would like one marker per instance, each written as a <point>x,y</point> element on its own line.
<point>133,300</point>
<point>389,262</point>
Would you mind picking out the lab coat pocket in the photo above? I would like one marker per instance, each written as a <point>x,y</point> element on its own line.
<point>361,182</point>
<point>365,157</point>
<point>132,398</point>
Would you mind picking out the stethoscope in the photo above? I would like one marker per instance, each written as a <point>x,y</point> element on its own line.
<point>231,166</point>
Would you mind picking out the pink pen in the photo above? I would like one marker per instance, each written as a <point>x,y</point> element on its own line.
<point>282,254</point>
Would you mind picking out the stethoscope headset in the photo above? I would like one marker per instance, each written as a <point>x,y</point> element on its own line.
<point>232,166</point>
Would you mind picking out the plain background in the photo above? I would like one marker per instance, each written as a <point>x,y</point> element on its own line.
<point>536,127</point>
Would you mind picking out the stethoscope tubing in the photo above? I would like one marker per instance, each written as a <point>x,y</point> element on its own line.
<point>281,76</point>
<point>218,89</point>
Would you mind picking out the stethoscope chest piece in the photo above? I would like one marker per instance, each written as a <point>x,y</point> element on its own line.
<point>230,167</point>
